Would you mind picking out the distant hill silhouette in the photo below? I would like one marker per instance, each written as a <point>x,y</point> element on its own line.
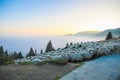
<point>84,33</point>
<point>115,32</point>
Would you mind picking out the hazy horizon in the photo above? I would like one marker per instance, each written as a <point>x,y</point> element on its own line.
<point>24,44</point>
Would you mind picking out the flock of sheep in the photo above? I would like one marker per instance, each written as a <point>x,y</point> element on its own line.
<point>77,52</point>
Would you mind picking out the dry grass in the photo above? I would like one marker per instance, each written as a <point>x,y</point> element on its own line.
<point>34,72</point>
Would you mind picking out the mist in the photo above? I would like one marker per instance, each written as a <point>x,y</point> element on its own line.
<point>24,44</point>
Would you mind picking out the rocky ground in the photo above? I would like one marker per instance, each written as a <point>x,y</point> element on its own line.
<point>34,72</point>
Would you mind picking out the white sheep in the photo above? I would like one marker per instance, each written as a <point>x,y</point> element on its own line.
<point>76,57</point>
<point>35,61</point>
<point>102,51</point>
<point>109,45</point>
<point>86,55</point>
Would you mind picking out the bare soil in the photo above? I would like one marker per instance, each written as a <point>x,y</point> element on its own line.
<point>34,72</point>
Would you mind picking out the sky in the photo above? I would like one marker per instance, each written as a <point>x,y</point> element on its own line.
<point>57,17</point>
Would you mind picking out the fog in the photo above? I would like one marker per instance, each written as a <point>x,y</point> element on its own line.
<point>24,44</point>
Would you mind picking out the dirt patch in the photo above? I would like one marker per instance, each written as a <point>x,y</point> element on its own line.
<point>34,72</point>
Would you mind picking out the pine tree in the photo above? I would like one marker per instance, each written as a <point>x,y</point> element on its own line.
<point>35,51</point>
<point>20,55</point>
<point>15,55</point>
<point>49,47</point>
<point>109,36</point>
<point>41,52</point>
<point>6,52</point>
<point>67,45</point>
<point>11,58</point>
<point>6,55</point>
<point>71,44</point>
<point>31,52</point>
<point>27,55</point>
<point>1,50</point>
<point>3,56</point>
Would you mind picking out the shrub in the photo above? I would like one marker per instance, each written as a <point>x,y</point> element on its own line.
<point>58,62</point>
<point>57,77</point>
<point>43,62</point>
<point>6,63</point>
<point>26,63</point>
<point>79,64</point>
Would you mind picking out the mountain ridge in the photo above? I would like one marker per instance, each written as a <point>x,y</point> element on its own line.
<point>115,32</point>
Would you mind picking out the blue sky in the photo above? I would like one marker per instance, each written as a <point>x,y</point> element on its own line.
<point>57,17</point>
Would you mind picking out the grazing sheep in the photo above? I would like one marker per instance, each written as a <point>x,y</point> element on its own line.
<point>35,61</point>
<point>75,57</point>
<point>86,55</point>
<point>56,57</point>
<point>102,51</point>
<point>77,52</point>
<point>110,46</point>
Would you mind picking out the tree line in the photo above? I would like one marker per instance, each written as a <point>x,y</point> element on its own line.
<point>7,58</point>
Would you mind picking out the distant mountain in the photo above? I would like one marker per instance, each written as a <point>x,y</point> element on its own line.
<point>86,33</point>
<point>115,32</point>
<point>69,35</point>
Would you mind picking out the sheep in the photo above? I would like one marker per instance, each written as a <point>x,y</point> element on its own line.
<point>56,57</point>
<point>110,46</point>
<point>79,51</point>
<point>117,47</point>
<point>75,57</point>
<point>102,51</point>
<point>35,61</point>
<point>66,57</point>
<point>86,55</point>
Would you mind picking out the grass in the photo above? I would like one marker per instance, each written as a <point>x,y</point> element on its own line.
<point>57,78</point>
<point>26,63</point>
<point>76,64</point>
<point>79,64</point>
<point>6,63</point>
<point>58,62</point>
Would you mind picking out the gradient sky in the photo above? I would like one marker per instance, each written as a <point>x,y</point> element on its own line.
<point>57,17</point>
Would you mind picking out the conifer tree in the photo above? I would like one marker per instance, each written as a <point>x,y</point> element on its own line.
<point>71,44</point>
<point>41,52</point>
<point>1,50</point>
<point>15,55</point>
<point>49,47</point>
<point>31,52</point>
<point>67,45</point>
<point>109,36</point>
<point>6,52</point>
<point>35,52</point>
<point>20,55</point>
<point>6,55</point>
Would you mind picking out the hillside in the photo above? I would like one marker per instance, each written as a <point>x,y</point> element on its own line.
<point>115,32</point>
<point>84,33</point>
